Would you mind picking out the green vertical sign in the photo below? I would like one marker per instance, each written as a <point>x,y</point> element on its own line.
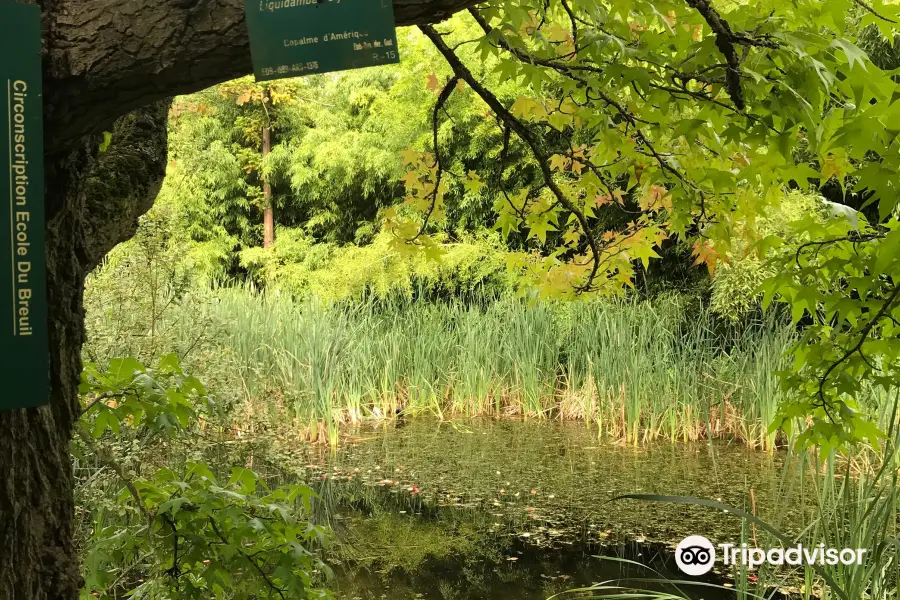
<point>24,364</point>
<point>290,38</point>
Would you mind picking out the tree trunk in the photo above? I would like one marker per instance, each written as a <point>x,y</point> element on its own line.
<point>92,205</point>
<point>102,60</point>
<point>36,503</point>
<point>268,209</point>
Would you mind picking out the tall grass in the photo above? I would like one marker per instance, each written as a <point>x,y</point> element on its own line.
<point>855,502</point>
<point>637,371</point>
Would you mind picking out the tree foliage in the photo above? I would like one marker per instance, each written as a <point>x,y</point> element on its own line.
<point>703,115</point>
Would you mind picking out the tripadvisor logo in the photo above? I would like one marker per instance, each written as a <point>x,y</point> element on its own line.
<point>695,555</point>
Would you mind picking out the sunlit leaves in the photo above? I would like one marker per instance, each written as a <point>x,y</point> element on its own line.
<point>127,393</point>
<point>699,130</point>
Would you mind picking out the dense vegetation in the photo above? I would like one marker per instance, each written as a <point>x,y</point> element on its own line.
<point>575,211</point>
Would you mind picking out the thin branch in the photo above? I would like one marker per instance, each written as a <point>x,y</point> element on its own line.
<point>102,397</point>
<point>569,71</point>
<point>819,243</point>
<point>256,566</point>
<point>868,8</point>
<point>864,334</point>
<point>107,458</point>
<point>442,100</point>
<point>462,72</point>
<point>174,571</point>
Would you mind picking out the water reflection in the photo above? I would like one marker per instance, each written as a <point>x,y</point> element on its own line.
<point>512,509</point>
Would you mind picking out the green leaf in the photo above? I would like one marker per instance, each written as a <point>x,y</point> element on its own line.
<point>107,140</point>
<point>853,53</point>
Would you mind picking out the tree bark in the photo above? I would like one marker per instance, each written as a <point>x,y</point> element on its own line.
<point>104,58</point>
<point>37,557</point>
<point>108,65</point>
<point>92,204</point>
<point>268,209</point>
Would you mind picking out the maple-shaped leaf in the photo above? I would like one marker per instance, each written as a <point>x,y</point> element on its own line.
<point>412,181</point>
<point>516,260</point>
<point>705,253</point>
<point>529,25</point>
<point>654,199</point>
<point>602,200</point>
<point>539,227</point>
<point>507,69</point>
<point>558,162</point>
<point>523,107</point>
<point>854,53</point>
<point>244,97</point>
<point>433,250</point>
<point>409,156</point>
<point>433,83</point>
<point>643,250</point>
<point>836,165</point>
<point>389,213</point>
<point>506,222</point>
<point>473,183</point>
<point>571,237</point>
<point>558,34</point>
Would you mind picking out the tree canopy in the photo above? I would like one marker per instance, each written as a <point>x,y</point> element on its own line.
<point>699,117</point>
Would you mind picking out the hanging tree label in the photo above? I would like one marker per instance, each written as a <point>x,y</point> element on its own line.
<point>290,38</point>
<point>23,297</point>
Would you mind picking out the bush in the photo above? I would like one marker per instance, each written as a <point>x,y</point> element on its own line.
<point>736,285</point>
<point>176,530</point>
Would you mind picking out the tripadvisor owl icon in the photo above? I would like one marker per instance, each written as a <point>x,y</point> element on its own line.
<point>695,555</point>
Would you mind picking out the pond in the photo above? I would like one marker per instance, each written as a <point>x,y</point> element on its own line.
<point>503,509</point>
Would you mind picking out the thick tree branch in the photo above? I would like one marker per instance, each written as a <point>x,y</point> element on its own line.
<point>125,180</point>
<point>105,58</point>
<point>726,40</point>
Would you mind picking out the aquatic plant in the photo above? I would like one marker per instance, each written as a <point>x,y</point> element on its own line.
<point>639,371</point>
<point>636,371</point>
<point>855,505</point>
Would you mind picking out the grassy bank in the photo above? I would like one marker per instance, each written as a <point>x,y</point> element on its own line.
<point>637,371</point>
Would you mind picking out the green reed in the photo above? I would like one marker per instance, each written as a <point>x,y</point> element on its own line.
<point>637,370</point>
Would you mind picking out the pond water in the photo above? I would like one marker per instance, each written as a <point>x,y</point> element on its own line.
<point>504,509</point>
